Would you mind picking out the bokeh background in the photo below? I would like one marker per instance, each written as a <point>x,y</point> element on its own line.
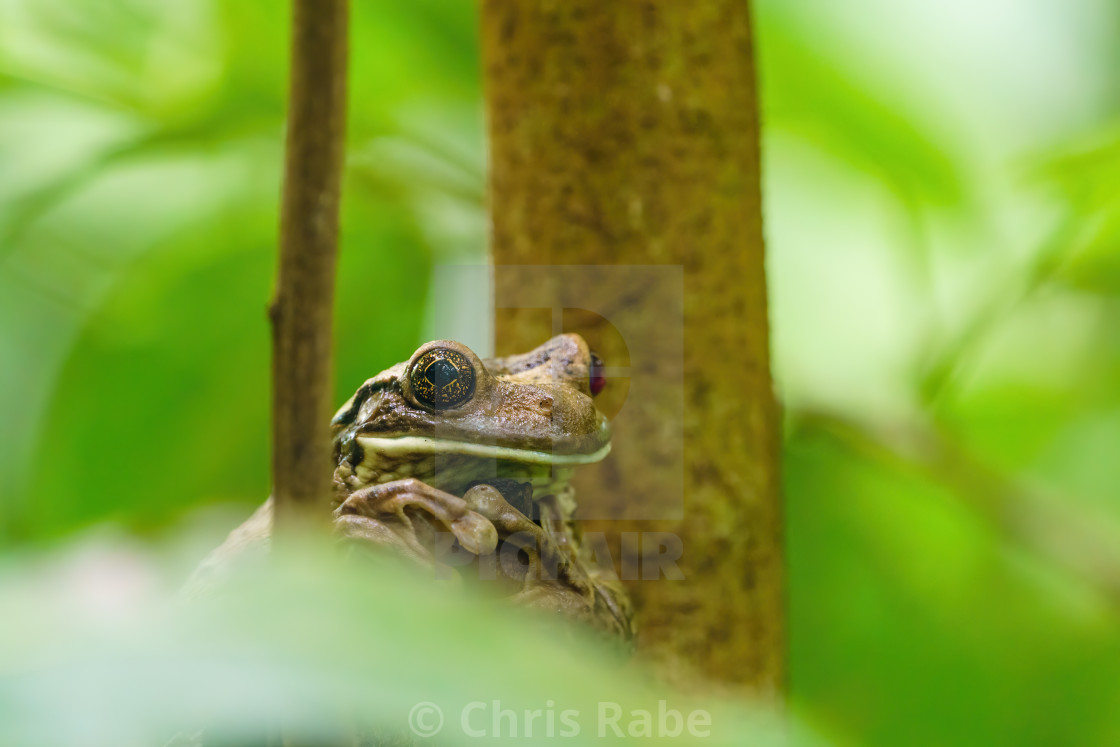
<point>942,200</point>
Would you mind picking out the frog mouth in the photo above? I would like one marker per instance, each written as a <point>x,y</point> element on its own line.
<point>411,446</point>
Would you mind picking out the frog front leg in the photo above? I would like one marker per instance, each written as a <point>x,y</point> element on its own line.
<point>406,515</point>
<point>545,558</point>
<point>555,576</point>
<point>611,608</point>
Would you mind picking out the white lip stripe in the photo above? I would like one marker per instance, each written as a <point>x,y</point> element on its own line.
<point>424,445</point>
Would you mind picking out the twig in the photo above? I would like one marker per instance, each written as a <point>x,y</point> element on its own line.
<point>302,361</point>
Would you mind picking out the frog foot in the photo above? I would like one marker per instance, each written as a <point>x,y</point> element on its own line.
<point>543,565</point>
<point>527,551</point>
<point>552,577</point>
<point>406,516</point>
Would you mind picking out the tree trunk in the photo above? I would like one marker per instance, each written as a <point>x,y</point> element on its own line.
<point>626,133</point>
<point>302,312</point>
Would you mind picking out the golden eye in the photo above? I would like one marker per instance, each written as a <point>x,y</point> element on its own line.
<point>442,378</point>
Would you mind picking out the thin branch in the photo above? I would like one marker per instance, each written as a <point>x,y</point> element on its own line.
<point>302,360</point>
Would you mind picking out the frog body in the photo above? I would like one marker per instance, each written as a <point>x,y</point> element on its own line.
<point>447,450</point>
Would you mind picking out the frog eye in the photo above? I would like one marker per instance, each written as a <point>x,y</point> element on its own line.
<point>442,378</point>
<point>597,378</point>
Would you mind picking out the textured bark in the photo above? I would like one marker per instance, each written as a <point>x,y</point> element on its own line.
<point>627,133</point>
<point>302,312</point>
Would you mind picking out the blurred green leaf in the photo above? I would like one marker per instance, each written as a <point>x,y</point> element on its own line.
<point>306,642</point>
<point>140,151</point>
<point>1085,179</point>
<point>810,90</point>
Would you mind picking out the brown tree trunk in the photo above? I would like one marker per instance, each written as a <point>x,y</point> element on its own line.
<point>302,312</point>
<point>627,133</point>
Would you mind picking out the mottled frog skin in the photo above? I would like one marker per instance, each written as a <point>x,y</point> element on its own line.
<point>464,465</point>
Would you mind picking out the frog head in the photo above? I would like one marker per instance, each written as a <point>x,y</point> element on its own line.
<point>450,418</point>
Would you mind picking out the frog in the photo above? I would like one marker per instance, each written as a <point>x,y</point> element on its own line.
<point>464,465</point>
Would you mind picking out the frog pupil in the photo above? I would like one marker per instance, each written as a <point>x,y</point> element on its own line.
<point>441,373</point>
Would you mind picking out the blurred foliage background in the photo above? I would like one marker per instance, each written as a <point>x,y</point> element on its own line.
<point>943,218</point>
